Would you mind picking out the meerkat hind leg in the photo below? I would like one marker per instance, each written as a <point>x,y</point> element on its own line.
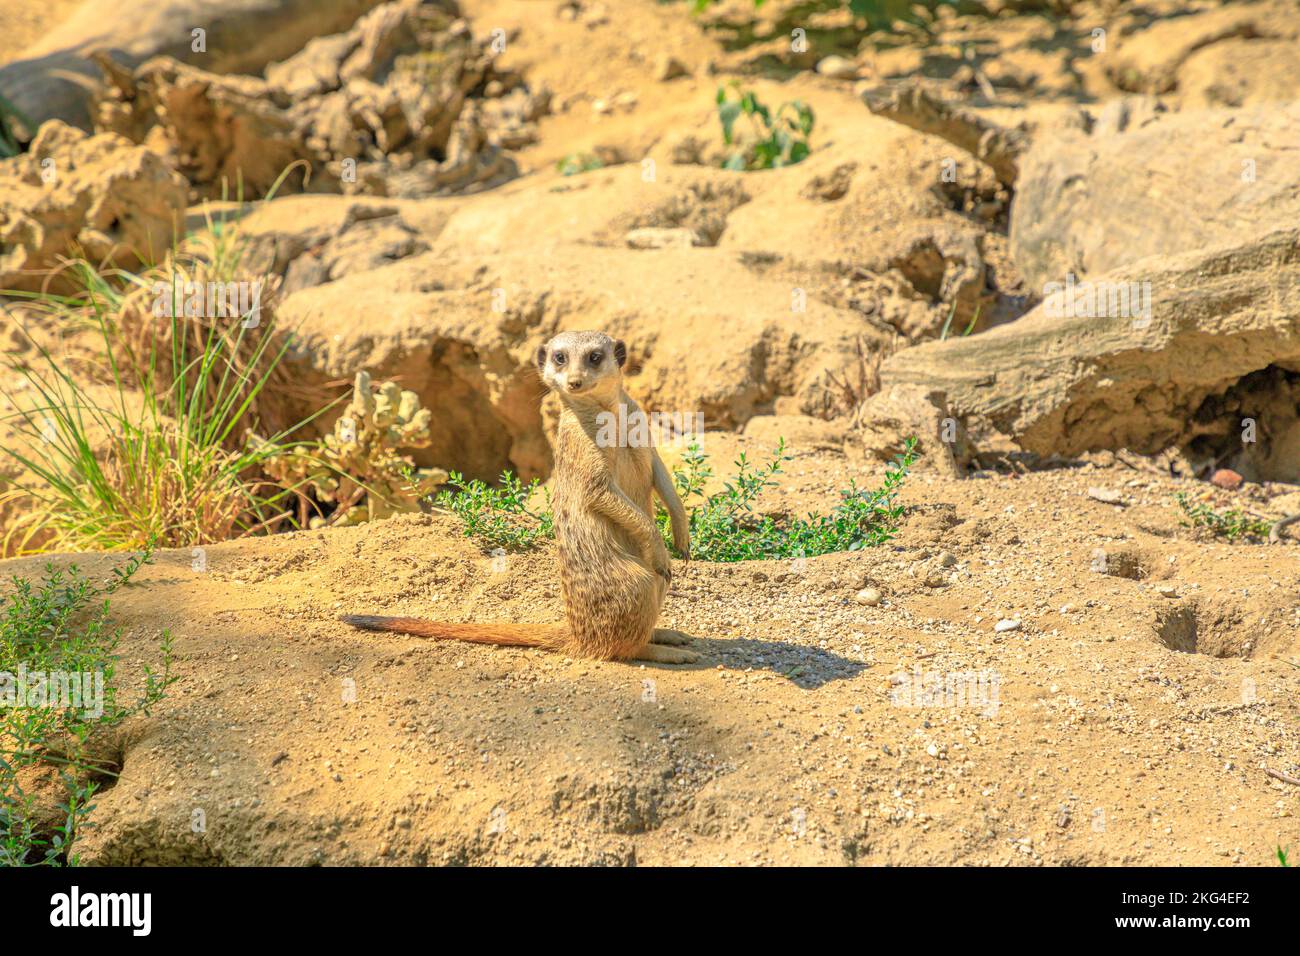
<point>666,635</point>
<point>660,654</point>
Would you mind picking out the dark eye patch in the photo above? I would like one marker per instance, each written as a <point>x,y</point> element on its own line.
<point>560,358</point>
<point>595,357</point>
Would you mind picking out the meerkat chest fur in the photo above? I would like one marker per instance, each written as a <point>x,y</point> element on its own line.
<point>585,449</point>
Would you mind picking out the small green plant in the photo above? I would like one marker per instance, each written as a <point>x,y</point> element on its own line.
<point>724,526</point>
<point>1282,857</point>
<point>50,634</point>
<point>775,140</point>
<point>1231,525</point>
<point>499,517</point>
<point>576,163</point>
<point>114,474</point>
<point>168,454</point>
<point>970,326</point>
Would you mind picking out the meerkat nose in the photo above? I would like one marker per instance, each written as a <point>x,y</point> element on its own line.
<point>574,386</point>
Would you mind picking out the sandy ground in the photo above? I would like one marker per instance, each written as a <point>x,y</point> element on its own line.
<point>1114,724</point>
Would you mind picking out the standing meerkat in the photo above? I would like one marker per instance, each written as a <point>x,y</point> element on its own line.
<point>614,567</point>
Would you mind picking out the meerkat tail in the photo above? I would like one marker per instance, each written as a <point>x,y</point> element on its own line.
<point>504,635</point>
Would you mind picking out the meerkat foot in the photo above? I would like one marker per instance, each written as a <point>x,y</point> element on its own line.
<point>667,655</point>
<point>666,635</point>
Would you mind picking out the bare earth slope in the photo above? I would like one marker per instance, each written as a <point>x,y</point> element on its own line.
<point>1128,726</point>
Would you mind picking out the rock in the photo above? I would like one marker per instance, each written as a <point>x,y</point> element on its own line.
<point>317,239</point>
<point>668,67</point>
<point>837,68</point>
<point>1148,183</point>
<point>946,559</point>
<point>884,422</point>
<point>461,332</point>
<point>50,80</point>
<point>1065,384</point>
<point>381,108</point>
<point>651,238</point>
<point>100,197</point>
<point>915,106</point>
<point>1007,624</point>
<point>1107,496</point>
<point>1227,479</point>
<point>1215,56</point>
<point>869,597</point>
<point>1167,590</point>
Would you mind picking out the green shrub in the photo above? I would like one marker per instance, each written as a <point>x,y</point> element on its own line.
<point>576,163</point>
<point>775,140</point>
<point>499,517</point>
<point>1230,525</point>
<point>164,464</point>
<point>61,625</point>
<point>723,525</point>
<point>172,455</point>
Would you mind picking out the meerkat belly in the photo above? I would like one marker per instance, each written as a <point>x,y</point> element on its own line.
<point>611,598</point>
<point>635,478</point>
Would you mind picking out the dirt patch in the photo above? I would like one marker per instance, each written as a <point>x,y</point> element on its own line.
<point>796,742</point>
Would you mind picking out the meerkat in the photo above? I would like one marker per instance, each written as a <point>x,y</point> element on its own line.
<point>614,566</point>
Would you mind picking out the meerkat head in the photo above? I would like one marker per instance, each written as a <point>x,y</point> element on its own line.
<point>583,366</point>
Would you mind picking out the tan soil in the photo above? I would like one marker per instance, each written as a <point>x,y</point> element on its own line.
<point>1107,746</point>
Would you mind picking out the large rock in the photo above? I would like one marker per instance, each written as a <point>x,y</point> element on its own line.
<point>1149,183</point>
<point>99,197</point>
<point>53,79</point>
<point>383,108</point>
<point>706,336</point>
<point>1220,345</point>
<point>1254,48</point>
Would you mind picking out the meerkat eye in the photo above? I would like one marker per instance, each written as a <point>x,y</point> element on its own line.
<point>559,358</point>
<point>595,357</point>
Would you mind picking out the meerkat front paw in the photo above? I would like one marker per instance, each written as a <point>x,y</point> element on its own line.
<point>662,564</point>
<point>666,635</point>
<point>660,654</point>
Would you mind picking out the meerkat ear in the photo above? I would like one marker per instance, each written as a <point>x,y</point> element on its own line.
<point>541,358</point>
<point>620,352</point>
